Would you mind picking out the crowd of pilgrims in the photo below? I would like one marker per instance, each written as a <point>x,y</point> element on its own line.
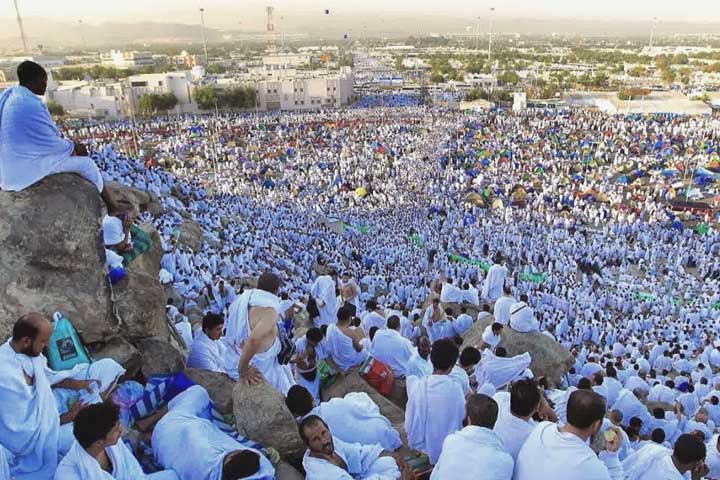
<point>633,297</point>
<point>374,220</point>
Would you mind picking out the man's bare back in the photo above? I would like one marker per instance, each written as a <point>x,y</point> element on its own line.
<point>263,326</point>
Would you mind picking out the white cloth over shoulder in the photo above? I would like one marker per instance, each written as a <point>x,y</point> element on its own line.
<point>183,430</point>
<point>238,325</point>
<point>551,453</point>
<point>489,461</point>
<point>649,463</point>
<point>500,371</point>
<point>341,349</point>
<point>79,465</point>
<point>435,409</point>
<point>357,419</point>
<point>31,147</point>
<point>29,418</point>
<point>4,465</point>
<point>363,462</point>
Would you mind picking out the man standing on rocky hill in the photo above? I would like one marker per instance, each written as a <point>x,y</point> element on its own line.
<point>31,147</point>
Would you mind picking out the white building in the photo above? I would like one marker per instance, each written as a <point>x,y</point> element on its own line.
<point>312,90</point>
<point>481,80</point>
<point>287,60</point>
<point>120,59</point>
<point>178,83</point>
<point>88,99</point>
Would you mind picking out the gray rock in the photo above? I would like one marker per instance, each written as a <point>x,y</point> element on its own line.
<point>285,471</point>
<point>261,415</point>
<point>219,386</point>
<point>549,358</point>
<point>159,356</point>
<point>122,352</point>
<point>191,235</point>
<point>53,256</point>
<point>140,302</point>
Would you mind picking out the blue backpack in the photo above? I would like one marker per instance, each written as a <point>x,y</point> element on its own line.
<point>65,349</point>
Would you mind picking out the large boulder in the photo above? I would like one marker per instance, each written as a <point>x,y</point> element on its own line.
<point>121,351</point>
<point>140,303</point>
<point>191,235</point>
<point>285,471</point>
<point>549,358</point>
<point>134,199</point>
<point>53,256</point>
<point>353,382</point>
<point>160,357</point>
<point>219,386</point>
<point>261,415</point>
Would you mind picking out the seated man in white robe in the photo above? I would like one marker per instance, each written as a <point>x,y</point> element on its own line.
<point>99,453</point>
<point>310,351</point>
<point>31,146</point>
<point>116,232</point>
<point>522,317</point>
<point>492,335</point>
<point>391,348</point>
<point>207,351</point>
<point>343,342</point>
<point>214,454</point>
<point>502,307</point>
<point>30,421</point>
<point>436,404</point>
<point>353,419</point>
<point>419,364</point>
<point>687,459</point>
<point>252,331</point>
<point>434,320</point>
<point>374,317</point>
<point>515,423</point>
<point>476,441</point>
<point>499,370</point>
<point>631,405</point>
<point>329,458</point>
<point>450,293</point>
<point>563,452</point>
<point>462,323</point>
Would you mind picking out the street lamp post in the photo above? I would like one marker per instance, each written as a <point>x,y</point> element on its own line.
<point>202,21</point>
<point>492,17</point>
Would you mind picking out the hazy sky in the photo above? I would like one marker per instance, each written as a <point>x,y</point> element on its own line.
<point>227,13</point>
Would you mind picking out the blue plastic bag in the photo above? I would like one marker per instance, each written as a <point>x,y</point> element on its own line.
<point>65,349</point>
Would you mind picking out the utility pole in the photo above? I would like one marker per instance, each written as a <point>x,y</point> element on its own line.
<point>202,21</point>
<point>477,34</point>
<point>20,26</point>
<point>492,17</point>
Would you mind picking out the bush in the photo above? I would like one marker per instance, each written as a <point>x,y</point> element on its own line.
<point>633,93</point>
<point>55,108</point>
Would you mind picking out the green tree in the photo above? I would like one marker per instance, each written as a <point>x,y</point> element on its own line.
<point>55,108</point>
<point>475,94</point>
<point>205,96</point>
<point>509,77</point>
<point>152,103</point>
<point>637,71</point>
<point>668,75</point>
<point>437,77</point>
<point>215,69</point>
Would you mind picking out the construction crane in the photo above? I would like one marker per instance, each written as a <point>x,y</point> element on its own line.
<point>20,26</point>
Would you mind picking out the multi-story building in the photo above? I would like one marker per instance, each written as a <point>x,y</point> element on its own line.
<point>306,90</point>
<point>120,59</point>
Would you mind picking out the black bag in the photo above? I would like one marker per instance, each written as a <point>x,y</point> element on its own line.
<point>287,347</point>
<point>312,308</point>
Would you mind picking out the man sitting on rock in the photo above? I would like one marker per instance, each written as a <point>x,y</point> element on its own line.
<point>99,453</point>
<point>252,333</point>
<point>116,232</point>
<point>31,146</point>
<point>522,316</point>
<point>353,419</point>
<point>207,351</point>
<point>328,457</point>
<point>186,442</point>
<point>343,341</point>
